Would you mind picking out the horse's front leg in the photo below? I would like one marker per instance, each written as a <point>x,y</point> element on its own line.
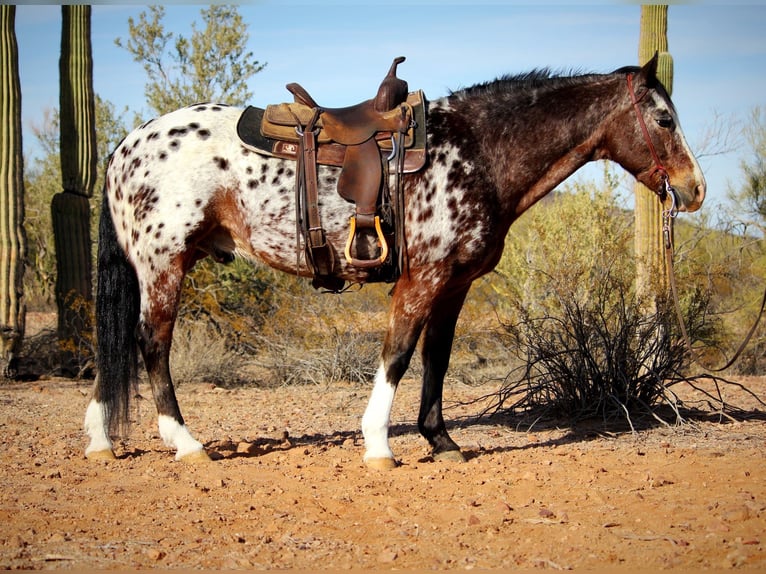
<point>405,323</point>
<point>155,334</point>
<point>437,347</point>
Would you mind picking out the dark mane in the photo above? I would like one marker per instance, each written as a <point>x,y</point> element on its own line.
<point>534,79</point>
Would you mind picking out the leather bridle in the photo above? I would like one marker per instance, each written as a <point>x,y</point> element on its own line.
<point>666,189</point>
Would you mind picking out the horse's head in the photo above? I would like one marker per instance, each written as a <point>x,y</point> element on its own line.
<point>648,142</point>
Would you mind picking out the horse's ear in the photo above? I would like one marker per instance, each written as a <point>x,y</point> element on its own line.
<point>648,74</point>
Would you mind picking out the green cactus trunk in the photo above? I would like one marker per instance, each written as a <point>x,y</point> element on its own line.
<point>12,237</point>
<point>71,209</point>
<point>651,278</point>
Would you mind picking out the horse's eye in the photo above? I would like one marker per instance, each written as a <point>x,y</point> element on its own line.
<point>665,122</point>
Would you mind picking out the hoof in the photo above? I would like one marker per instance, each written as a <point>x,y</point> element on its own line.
<point>107,454</point>
<point>381,463</point>
<point>450,456</point>
<point>195,457</point>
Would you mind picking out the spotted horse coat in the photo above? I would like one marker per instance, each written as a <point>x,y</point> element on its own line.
<point>182,187</point>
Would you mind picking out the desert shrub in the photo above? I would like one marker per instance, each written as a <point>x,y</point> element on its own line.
<point>200,354</point>
<point>593,359</point>
<point>234,300</point>
<point>580,342</point>
<point>313,337</point>
<point>724,265</point>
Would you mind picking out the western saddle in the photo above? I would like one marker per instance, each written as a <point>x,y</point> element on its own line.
<point>361,139</point>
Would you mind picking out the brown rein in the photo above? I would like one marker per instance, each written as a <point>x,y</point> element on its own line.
<point>667,226</point>
<point>668,215</point>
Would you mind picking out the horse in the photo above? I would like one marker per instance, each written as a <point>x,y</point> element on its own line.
<point>182,187</point>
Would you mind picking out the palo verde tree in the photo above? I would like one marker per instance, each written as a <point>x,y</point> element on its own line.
<point>211,65</point>
<point>12,238</point>
<point>750,199</point>
<point>70,209</point>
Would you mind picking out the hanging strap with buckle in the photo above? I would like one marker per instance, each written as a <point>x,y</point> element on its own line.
<point>320,254</point>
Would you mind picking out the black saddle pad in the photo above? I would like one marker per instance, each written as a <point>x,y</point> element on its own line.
<point>249,130</point>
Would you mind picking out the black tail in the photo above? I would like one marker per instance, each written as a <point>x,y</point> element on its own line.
<point>117,312</point>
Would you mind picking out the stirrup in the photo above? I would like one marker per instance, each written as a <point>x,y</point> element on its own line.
<point>381,243</point>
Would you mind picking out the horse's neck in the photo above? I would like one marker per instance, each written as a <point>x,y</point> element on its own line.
<point>545,143</point>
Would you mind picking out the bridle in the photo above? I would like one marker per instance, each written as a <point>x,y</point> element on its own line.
<point>668,215</point>
<point>666,189</point>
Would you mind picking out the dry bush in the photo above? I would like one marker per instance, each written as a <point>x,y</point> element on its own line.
<point>317,337</point>
<point>593,360</point>
<point>580,343</point>
<point>201,353</point>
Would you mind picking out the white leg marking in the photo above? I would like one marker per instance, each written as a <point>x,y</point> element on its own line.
<point>95,428</point>
<point>376,418</point>
<point>177,436</point>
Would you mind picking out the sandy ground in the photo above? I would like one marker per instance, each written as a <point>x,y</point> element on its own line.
<point>288,488</point>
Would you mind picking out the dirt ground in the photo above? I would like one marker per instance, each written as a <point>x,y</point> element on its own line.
<point>288,488</point>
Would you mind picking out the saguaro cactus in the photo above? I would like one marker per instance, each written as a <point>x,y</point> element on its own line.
<point>71,208</point>
<point>12,238</point>
<point>650,270</point>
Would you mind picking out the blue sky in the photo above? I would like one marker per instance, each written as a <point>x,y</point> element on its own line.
<point>341,50</point>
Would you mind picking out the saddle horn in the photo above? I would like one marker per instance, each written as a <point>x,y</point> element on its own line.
<point>392,91</point>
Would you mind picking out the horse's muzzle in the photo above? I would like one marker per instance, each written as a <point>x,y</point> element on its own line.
<point>698,197</point>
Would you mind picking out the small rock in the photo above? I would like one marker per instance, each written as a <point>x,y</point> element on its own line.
<point>387,556</point>
<point>546,513</point>
<point>503,507</point>
<point>155,554</point>
<point>737,514</point>
<point>734,559</point>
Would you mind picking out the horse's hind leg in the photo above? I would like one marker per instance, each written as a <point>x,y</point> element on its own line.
<point>437,347</point>
<point>155,334</point>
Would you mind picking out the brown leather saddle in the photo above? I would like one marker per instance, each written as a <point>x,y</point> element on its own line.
<point>363,140</point>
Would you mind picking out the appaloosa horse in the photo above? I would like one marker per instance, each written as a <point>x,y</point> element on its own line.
<point>182,187</point>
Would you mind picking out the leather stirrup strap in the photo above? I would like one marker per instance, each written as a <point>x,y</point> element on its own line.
<point>318,251</point>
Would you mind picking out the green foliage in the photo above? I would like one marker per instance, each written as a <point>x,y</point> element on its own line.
<point>234,299</point>
<point>43,180</point>
<point>750,200</point>
<point>211,65</point>
<point>564,246</point>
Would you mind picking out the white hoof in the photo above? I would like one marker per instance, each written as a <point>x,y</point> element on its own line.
<point>106,454</point>
<point>381,463</point>
<point>195,457</point>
